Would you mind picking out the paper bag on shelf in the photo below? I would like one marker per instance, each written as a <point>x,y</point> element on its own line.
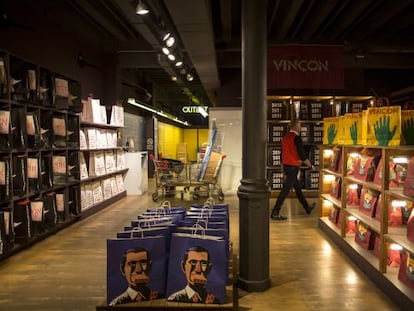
<point>97,163</point>
<point>91,111</point>
<point>106,188</point>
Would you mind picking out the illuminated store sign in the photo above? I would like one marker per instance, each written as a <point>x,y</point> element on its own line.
<point>193,109</point>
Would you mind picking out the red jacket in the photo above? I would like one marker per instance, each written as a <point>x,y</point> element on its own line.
<point>292,149</point>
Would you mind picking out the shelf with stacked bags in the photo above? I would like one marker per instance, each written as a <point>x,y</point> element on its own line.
<point>281,110</point>
<point>39,111</point>
<point>366,203</point>
<point>102,166</point>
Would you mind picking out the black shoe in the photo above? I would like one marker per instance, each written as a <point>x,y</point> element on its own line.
<point>278,217</point>
<point>310,208</point>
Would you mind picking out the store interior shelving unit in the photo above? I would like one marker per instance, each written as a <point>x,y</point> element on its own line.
<point>335,213</point>
<point>109,175</point>
<point>310,110</point>
<point>39,152</point>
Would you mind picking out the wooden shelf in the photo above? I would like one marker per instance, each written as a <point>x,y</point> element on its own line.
<point>367,184</point>
<point>93,178</point>
<point>330,172</point>
<point>101,205</point>
<point>330,198</point>
<point>369,221</point>
<point>399,236</point>
<point>375,268</point>
<point>402,295</point>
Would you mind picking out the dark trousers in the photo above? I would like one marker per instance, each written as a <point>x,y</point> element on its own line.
<point>291,181</point>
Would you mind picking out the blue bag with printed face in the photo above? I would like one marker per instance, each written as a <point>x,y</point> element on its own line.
<point>197,269</point>
<point>136,269</point>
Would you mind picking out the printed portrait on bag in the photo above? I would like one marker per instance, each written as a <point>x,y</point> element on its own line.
<point>136,270</point>
<point>196,266</point>
<point>135,267</point>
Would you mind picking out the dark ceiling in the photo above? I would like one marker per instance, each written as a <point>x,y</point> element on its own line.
<point>209,35</point>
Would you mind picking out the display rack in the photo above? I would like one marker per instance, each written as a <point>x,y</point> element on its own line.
<point>39,153</point>
<point>311,111</point>
<point>104,169</point>
<point>339,215</point>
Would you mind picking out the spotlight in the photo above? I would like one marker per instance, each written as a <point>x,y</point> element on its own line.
<point>183,71</point>
<point>141,8</point>
<point>166,51</point>
<point>170,41</point>
<point>165,35</point>
<point>179,63</point>
<point>171,57</point>
<point>190,77</point>
<point>174,78</point>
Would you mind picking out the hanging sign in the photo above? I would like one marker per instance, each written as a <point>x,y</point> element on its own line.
<point>193,109</point>
<point>305,67</point>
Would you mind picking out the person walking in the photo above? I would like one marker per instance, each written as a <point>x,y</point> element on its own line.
<point>293,156</point>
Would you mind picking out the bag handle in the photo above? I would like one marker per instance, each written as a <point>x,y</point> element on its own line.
<point>408,105</point>
<point>197,227</point>
<point>202,220</point>
<point>166,205</point>
<point>381,102</point>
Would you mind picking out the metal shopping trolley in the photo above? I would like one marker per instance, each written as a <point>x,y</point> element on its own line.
<point>169,174</point>
<point>204,177</point>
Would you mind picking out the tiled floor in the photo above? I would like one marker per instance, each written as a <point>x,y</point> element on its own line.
<point>67,271</point>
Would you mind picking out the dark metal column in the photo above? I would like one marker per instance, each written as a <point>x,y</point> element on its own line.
<point>254,191</point>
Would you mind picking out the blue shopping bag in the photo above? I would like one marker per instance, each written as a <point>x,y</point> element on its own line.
<point>136,269</point>
<point>197,269</point>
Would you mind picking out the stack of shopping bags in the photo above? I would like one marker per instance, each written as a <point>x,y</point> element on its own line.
<point>174,253</point>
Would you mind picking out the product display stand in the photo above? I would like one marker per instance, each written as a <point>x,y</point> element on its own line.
<point>350,222</point>
<point>103,166</point>
<point>39,153</point>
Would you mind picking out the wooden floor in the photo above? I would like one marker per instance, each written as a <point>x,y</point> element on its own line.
<point>67,271</point>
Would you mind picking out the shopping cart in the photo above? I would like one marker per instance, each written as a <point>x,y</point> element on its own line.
<point>169,174</point>
<point>204,177</point>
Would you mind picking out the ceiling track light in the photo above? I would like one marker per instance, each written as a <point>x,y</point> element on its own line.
<point>179,63</point>
<point>165,50</point>
<point>190,77</point>
<point>171,57</point>
<point>170,41</point>
<point>141,8</point>
<point>165,35</point>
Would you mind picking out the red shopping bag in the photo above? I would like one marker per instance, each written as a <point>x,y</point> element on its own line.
<point>368,201</point>
<point>364,236</point>
<point>409,180</point>
<point>406,272</point>
<point>410,227</point>
<point>336,188</point>
<point>353,194</point>
<point>393,255</point>
<point>333,214</point>
<point>395,218</point>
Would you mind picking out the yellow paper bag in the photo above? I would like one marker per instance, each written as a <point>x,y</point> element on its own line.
<point>352,128</point>
<point>384,126</point>
<point>407,127</point>
<point>330,130</point>
<point>341,130</point>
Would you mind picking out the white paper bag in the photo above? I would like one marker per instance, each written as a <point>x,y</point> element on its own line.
<point>82,166</point>
<point>97,192</point>
<point>91,111</point>
<point>97,163</point>
<point>114,187</point>
<point>91,138</point>
<point>117,116</point>
<point>120,159</point>
<point>82,140</point>
<point>106,187</point>
<point>120,183</point>
<point>109,162</point>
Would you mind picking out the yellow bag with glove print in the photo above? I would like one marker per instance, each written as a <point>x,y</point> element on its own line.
<point>331,130</point>
<point>352,128</point>
<point>407,127</point>
<point>383,127</point>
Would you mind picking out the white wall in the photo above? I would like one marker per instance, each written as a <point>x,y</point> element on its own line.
<point>229,124</point>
